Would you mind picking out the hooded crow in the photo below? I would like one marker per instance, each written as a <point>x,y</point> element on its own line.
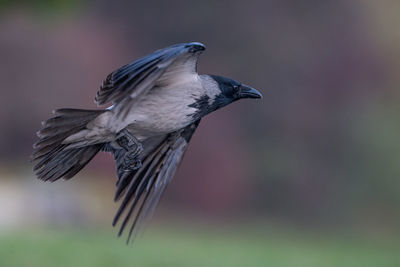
<point>157,104</point>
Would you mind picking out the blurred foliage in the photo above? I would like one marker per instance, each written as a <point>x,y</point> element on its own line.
<point>183,248</point>
<point>379,133</point>
<point>43,6</point>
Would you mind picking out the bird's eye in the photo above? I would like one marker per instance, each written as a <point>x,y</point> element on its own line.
<point>235,88</point>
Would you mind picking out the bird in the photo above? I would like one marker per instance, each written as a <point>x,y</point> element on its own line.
<point>155,105</point>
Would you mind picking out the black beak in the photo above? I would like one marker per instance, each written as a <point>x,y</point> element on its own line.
<point>248,92</point>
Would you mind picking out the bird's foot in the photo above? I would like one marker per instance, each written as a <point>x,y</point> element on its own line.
<point>131,164</point>
<point>133,148</point>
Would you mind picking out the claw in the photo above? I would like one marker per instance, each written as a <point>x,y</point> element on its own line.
<point>133,148</point>
<point>132,167</point>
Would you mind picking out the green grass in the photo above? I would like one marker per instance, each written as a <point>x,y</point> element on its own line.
<point>191,248</point>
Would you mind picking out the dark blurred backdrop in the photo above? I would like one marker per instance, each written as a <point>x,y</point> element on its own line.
<point>320,151</point>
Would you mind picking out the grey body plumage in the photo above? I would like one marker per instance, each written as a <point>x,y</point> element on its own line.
<point>157,103</point>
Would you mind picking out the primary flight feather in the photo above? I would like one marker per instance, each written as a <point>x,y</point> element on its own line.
<point>156,105</point>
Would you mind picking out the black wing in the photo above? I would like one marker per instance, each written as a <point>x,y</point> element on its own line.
<point>141,189</point>
<point>135,79</point>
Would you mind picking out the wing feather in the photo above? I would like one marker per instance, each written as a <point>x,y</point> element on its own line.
<point>141,189</point>
<point>135,79</point>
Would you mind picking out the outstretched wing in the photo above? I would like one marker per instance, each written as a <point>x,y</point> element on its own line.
<point>135,79</point>
<point>141,189</point>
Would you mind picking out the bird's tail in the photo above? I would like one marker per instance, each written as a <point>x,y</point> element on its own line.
<point>56,159</point>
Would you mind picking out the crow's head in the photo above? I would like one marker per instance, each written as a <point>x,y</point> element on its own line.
<point>231,90</point>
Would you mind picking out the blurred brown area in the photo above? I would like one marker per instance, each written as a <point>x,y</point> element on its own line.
<point>321,148</point>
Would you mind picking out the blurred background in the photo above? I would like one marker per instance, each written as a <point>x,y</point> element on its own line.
<point>309,176</point>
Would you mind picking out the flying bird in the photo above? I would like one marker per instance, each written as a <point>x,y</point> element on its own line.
<point>157,103</point>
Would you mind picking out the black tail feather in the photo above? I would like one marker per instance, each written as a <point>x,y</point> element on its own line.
<point>56,159</point>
